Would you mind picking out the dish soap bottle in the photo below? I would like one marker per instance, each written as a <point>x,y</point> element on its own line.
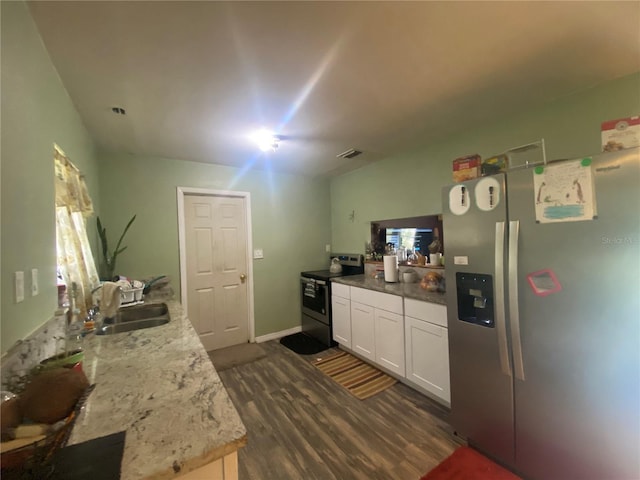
<point>73,341</point>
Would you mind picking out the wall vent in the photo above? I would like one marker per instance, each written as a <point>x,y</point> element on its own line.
<point>352,152</point>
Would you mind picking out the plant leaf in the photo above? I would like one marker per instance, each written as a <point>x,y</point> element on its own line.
<point>124,233</point>
<point>102,232</point>
<point>110,259</point>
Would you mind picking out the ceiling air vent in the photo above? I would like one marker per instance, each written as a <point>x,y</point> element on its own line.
<point>352,152</point>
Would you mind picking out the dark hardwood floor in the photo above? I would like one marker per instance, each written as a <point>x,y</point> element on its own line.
<point>302,425</point>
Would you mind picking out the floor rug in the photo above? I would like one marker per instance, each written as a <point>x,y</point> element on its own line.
<point>467,464</point>
<point>359,378</point>
<point>303,344</point>
<point>236,356</point>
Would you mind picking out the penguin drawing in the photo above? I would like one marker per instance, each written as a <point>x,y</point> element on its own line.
<point>576,184</point>
<point>540,192</point>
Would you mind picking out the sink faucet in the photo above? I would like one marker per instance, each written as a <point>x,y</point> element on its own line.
<point>92,314</point>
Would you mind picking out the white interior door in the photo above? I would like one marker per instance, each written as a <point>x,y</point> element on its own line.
<point>216,269</point>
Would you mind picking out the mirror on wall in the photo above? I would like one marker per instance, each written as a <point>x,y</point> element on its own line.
<point>414,234</point>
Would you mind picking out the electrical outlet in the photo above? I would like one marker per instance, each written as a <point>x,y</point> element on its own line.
<point>34,282</point>
<point>258,253</point>
<point>327,248</point>
<point>19,281</point>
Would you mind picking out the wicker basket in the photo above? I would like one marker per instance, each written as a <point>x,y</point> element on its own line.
<point>33,461</point>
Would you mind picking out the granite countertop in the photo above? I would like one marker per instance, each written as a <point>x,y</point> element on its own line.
<point>158,385</point>
<point>406,290</point>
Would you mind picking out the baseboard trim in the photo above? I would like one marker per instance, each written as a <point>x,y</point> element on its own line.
<point>277,335</point>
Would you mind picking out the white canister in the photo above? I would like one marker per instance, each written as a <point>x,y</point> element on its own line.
<point>390,268</point>
<point>434,258</point>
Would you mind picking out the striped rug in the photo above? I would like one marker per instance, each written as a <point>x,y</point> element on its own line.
<point>358,377</point>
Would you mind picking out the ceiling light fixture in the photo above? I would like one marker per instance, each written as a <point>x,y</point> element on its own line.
<point>266,140</point>
<point>352,152</point>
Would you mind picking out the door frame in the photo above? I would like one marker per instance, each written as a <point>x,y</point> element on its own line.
<point>246,196</point>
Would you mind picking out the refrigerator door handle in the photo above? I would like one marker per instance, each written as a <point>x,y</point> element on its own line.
<point>501,329</point>
<point>514,312</point>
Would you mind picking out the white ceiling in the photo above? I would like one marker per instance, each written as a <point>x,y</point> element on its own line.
<point>196,78</point>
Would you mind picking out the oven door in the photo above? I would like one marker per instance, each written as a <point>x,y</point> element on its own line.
<point>315,299</point>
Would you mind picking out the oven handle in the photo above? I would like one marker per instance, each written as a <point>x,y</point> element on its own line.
<point>308,280</point>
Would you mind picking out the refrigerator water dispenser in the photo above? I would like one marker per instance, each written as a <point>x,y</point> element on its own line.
<point>475,298</point>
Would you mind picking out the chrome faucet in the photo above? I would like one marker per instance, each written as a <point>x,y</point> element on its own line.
<point>92,314</point>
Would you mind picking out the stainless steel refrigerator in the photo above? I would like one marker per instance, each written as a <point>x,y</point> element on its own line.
<point>543,295</point>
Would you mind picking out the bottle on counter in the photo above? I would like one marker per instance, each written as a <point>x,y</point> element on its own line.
<point>75,326</point>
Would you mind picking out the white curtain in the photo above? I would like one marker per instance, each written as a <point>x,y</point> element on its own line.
<point>73,206</point>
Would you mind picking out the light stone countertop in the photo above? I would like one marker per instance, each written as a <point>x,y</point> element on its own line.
<point>160,386</point>
<point>406,290</point>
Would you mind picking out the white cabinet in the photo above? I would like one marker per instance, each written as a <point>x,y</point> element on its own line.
<point>341,314</point>
<point>404,336</point>
<point>340,290</point>
<point>427,347</point>
<point>383,301</point>
<point>429,312</point>
<point>225,468</point>
<point>363,330</point>
<point>377,328</point>
<point>389,329</point>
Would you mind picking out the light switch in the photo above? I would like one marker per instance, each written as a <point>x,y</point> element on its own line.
<point>258,253</point>
<point>34,282</point>
<point>327,248</point>
<point>19,284</point>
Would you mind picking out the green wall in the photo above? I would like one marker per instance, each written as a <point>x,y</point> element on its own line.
<point>36,113</point>
<point>290,222</point>
<point>293,217</point>
<point>410,185</point>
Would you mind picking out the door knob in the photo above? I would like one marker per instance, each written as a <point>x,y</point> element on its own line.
<point>243,277</point>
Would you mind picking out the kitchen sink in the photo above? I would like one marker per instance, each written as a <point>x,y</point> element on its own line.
<point>140,312</point>
<point>135,318</point>
<point>132,325</point>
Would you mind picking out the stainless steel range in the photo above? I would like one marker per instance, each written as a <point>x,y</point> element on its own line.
<point>315,294</point>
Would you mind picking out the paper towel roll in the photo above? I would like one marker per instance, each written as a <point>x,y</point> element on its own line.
<point>390,268</point>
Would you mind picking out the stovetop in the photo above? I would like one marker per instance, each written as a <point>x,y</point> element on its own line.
<point>352,264</point>
<point>324,274</point>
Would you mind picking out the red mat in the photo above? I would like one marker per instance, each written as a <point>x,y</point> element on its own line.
<point>467,464</point>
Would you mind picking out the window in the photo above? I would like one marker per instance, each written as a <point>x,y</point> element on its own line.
<point>73,206</point>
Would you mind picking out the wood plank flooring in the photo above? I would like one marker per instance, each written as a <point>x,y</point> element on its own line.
<point>302,425</point>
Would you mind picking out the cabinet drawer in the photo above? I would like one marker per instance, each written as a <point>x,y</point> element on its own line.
<point>362,308</point>
<point>429,312</point>
<point>384,301</point>
<point>340,290</point>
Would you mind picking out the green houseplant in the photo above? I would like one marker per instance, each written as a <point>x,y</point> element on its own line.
<point>109,258</point>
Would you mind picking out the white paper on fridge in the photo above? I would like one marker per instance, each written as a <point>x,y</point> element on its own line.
<point>564,192</point>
